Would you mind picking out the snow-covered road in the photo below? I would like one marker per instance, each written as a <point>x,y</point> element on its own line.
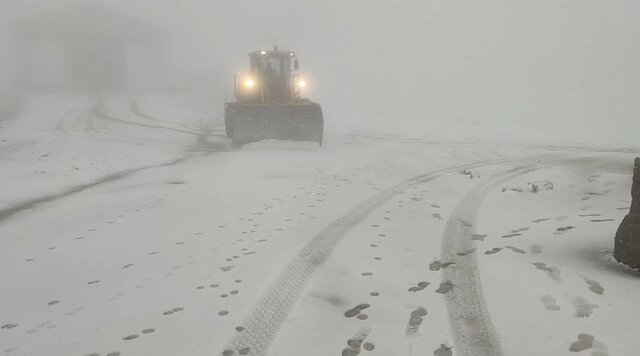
<point>127,227</point>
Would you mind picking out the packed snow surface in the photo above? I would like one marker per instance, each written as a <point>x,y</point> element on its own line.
<point>128,226</point>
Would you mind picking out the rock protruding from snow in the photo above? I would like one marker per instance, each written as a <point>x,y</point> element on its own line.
<point>627,244</point>
<point>635,189</point>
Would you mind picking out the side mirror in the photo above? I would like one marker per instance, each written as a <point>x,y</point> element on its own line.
<point>296,65</point>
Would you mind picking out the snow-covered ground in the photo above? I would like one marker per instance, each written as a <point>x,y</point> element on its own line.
<point>129,227</point>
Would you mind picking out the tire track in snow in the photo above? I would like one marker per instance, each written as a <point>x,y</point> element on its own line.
<point>265,318</point>
<point>98,111</point>
<point>473,331</point>
<point>134,107</point>
<point>32,203</point>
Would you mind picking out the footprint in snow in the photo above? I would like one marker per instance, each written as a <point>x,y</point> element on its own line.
<point>174,310</point>
<point>552,272</point>
<point>445,287</point>
<point>477,237</point>
<point>508,236</point>
<point>9,326</point>
<point>130,337</point>
<point>585,342</point>
<point>550,303</point>
<point>535,249</point>
<point>493,251</point>
<point>419,287</point>
<point>437,265</point>
<point>466,252</point>
<point>369,346</point>
<point>350,352</point>
<point>148,331</point>
<point>443,350</point>
<point>356,343</point>
<point>594,286</point>
<point>516,250</point>
<point>540,220</point>
<point>415,320</point>
<point>583,307</point>
<point>356,310</point>
<point>565,228</point>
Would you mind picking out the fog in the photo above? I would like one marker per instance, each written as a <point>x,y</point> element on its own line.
<point>491,66</point>
<point>402,177</point>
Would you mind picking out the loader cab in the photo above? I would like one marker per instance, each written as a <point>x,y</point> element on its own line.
<point>271,78</point>
<point>268,103</point>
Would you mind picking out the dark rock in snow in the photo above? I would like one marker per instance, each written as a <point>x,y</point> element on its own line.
<point>627,243</point>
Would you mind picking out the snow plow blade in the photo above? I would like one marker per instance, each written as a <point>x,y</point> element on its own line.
<point>251,122</point>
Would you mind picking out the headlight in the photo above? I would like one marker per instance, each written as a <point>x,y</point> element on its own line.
<point>249,83</point>
<point>302,84</point>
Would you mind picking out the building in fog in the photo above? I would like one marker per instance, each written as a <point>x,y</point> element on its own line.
<point>88,48</point>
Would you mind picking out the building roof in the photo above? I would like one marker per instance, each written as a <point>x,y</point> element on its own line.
<point>88,18</point>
